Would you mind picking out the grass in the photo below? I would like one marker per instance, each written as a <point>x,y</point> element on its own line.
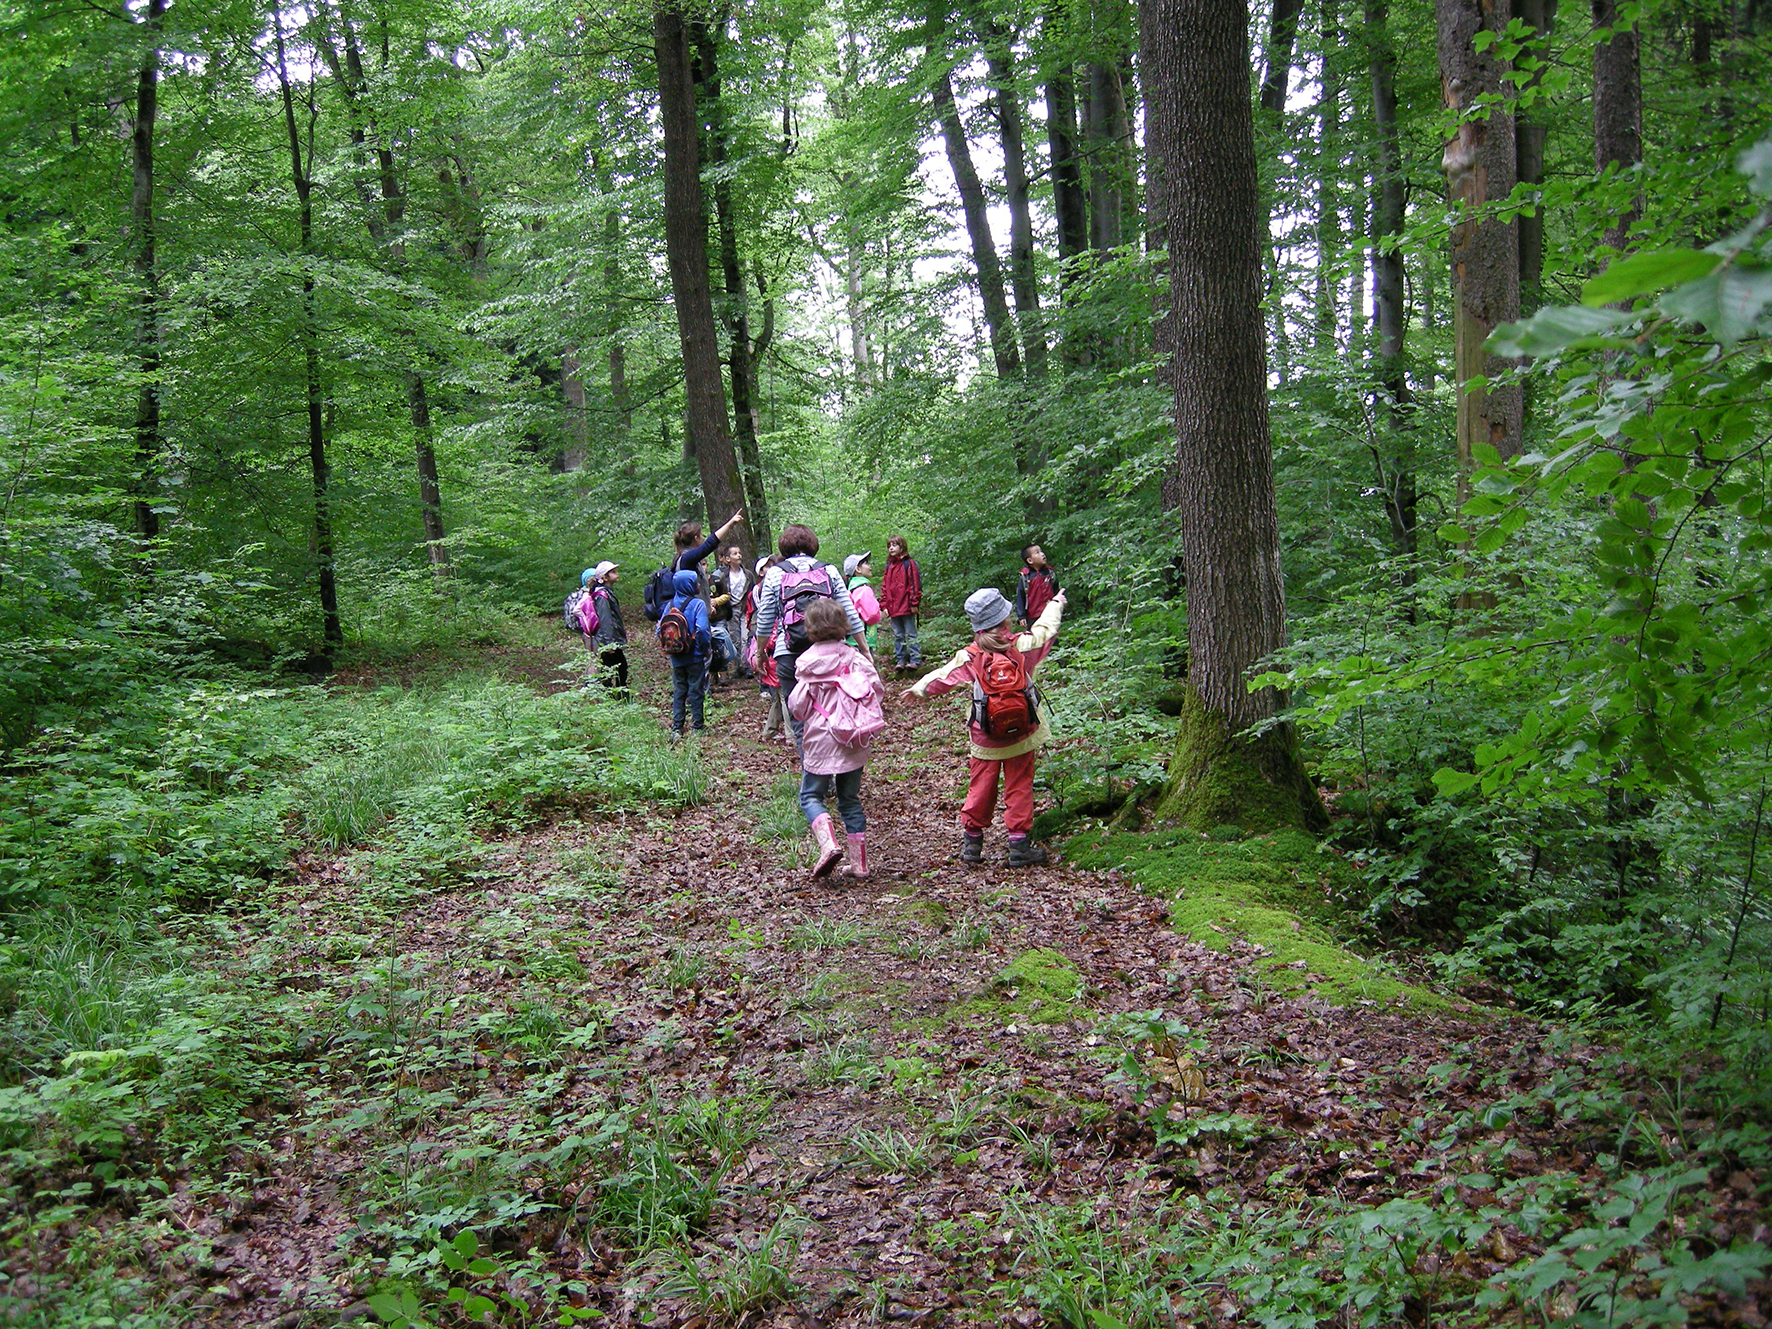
<point>893,1152</point>
<point>730,1285</point>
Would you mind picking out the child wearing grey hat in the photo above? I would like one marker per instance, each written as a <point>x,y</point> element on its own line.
<point>1005,725</point>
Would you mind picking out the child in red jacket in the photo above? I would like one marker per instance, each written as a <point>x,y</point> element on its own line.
<point>1000,667</point>
<point>901,593</point>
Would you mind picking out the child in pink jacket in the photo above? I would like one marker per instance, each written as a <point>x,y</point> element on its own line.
<point>837,695</point>
<point>1012,759</point>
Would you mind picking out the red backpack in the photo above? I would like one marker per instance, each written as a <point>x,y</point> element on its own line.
<point>675,636</point>
<point>1005,702</point>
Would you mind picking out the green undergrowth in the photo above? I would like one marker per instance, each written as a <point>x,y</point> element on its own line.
<point>1277,891</point>
<point>1039,986</point>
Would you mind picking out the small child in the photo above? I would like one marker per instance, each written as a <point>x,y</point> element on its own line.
<point>837,694</point>
<point>858,571</point>
<point>1011,757</point>
<point>689,668</point>
<point>769,684</point>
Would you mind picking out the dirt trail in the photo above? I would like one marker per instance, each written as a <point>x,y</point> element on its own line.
<point>902,1090</point>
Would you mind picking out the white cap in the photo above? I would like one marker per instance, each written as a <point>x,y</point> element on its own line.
<point>603,569</point>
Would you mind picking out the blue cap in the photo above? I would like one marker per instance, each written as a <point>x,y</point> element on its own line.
<point>585,577</point>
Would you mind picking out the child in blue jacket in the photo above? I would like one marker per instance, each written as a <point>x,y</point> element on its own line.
<point>689,670</point>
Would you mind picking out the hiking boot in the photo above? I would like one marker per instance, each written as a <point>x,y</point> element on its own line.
<point>1024,853</point>
<point>857,867</point>
<point>828,852</point>
<point>972,849</point>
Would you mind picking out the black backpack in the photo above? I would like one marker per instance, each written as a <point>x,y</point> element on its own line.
<point>660,591</point>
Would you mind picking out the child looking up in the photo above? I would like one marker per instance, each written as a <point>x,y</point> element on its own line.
<point>836,696</point>
<point>1006,727</point>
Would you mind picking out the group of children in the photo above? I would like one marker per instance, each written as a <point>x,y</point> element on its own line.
<point>805,632</point>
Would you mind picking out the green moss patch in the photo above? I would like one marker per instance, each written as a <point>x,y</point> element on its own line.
<point>1037,987</point>
<point>1273,890</point>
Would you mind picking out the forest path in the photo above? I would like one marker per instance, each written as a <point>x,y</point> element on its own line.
<point>900,1071</point>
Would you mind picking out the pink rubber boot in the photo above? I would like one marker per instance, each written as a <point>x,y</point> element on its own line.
<point>828,853</point>
<point>857,866</point>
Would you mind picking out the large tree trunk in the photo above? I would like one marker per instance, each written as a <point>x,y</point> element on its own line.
<point>1480,165</point>
<point>686,246</point>
<point>1201,139</point>
<point>147,276</point>
<point>332,629</point>
<point>1394,456</point>
<point>1107,137</point>
<point>741,370</point>
<point>978,224</point>
<point>1529,134</point>
<point>1070,208</point>
<point>1015,188</point>
<point>1618,111</point>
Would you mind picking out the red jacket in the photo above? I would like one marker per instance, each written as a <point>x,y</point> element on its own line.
<point>901,587</point>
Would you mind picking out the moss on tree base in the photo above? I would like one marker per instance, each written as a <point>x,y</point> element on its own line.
<point>1219,779</point>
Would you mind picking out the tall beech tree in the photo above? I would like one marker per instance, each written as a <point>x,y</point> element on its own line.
<point>147,276</point>
<point>709,439</point>
<point>1201,142</point>
<point>1480,165</point>
<point>1618,108</point>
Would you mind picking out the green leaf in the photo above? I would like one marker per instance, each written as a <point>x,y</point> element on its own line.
<point>467,1243</point>
<point>1641,274</point>
<point>1756,165</point>
<point>1453,534</point>
<point>1743,292</point>
<point>1449,781</point>
<point>1553,329</point>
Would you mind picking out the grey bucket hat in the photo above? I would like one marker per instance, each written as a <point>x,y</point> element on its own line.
<point>986,607</point>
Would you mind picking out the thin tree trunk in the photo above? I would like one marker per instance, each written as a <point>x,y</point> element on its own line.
<point>332,629</point>
<point>1618,111</point>
<point>1105,139</point>
<point>1329,137</point>
<point>619,399</point>
<point>686,235</point>
<point>1479,161</point>
<point>1201,139</point>
<point>1004,352</point>
<point>1015,182</point>
<point>738,325</point>
<point>1276,80</point>
<point>1069,204</point>
<point>1395,455</point>
<point>386,228</point>
<point>147,276</point>
<point>578,435</point>
<point>1529,132</point>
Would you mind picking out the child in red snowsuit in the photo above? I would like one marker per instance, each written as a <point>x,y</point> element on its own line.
<point>1012,760</point>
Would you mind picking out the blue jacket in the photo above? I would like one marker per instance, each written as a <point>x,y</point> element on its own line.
<point>687,586</point>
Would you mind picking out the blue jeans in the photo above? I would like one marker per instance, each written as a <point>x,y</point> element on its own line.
<point>905,650</point>
<point>689,680</point>
<point>815,789</point>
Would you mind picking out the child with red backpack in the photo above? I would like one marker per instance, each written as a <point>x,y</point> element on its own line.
<point>836,696</point>
<point>1005,722</point>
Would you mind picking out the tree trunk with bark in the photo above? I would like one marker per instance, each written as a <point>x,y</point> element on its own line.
<point>147,276</point>
<point>1004,352</point>
<point>1394,452</point>
<point>1276,81</point>
<point>741,369</point>
<point>1022,278</point>
<point>332,628</point>
<point>1480,165</point>
<point>1201,140</point>
<point>709,437</point>
<point>1618,110</point>
<point>1529,132</point>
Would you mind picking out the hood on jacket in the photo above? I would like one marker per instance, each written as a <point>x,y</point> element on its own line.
<point>823,659</point>
<point>685,583</point>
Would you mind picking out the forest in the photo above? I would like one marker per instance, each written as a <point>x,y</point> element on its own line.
<point>1390,386</point>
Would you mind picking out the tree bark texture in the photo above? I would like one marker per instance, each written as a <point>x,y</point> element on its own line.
<point>1015,184</point>
<point>978,224</point>
<point>621,403</point>
<point>320,471</point>
<point>578,434</point>
<point>736,307</point>
<point>1107,138</point>
<point>1069,204</point>
<point>1481,165</point>
<point>708,437</point>
<point>1529,135</point>
<point>1618,110</point>
<point>1201,140</point>
<point>147,276</point>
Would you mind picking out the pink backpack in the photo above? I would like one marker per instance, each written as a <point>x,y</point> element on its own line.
<point>856,714</point>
